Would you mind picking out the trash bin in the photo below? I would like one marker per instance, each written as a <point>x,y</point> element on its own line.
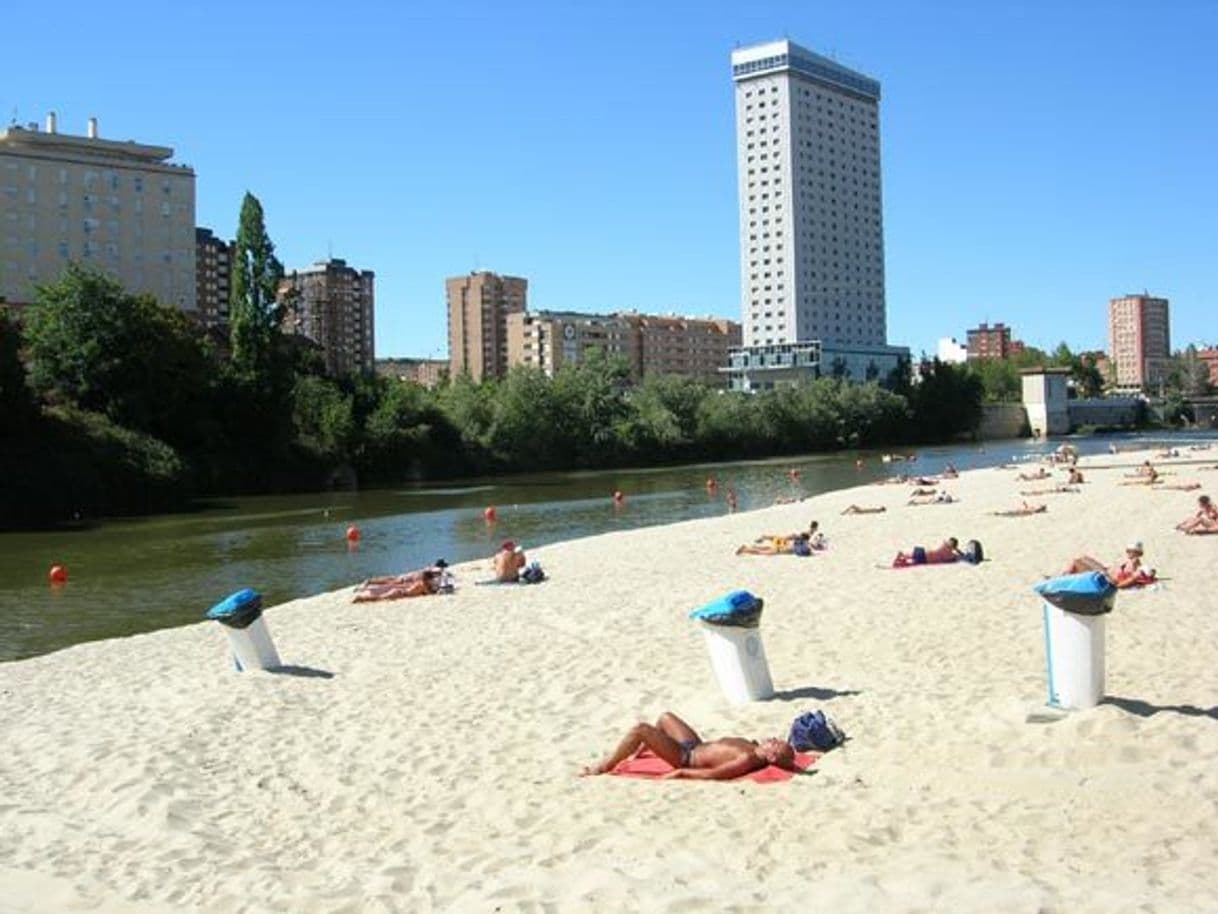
<point>250,639</point>
<point>732,628</point>
<point>1075,611</point>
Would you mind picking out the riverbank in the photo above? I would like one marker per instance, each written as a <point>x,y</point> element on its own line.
<point>421,755</point>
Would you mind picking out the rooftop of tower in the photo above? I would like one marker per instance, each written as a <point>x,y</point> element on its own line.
<point>778,56</point>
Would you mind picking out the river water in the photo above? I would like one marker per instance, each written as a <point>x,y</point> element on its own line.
<point>128,576</point>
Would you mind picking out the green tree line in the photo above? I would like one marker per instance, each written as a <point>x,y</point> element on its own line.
<point>111,403</point>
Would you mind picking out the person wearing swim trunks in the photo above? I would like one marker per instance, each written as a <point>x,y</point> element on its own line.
<point>945,553</point>
<point>693,758</point>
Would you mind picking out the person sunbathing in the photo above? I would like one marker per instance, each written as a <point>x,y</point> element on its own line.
<point>508,561</point>
<point>1076,476</point>
<point>1056,490</point>
<point>934,498</point>
<point>798,544</point>
<point>1142,478</point>
<point>859,509</point>
<point>944,554</point>
<point>950,472</point>
<point>915,493</point>
<point>1178,486</point>
<point>1041,473</point>
<point>1117,573</point>
<point>421,583</point>
<point>1204,521</point>
<point>1023,510</point>
<point>694,758</point>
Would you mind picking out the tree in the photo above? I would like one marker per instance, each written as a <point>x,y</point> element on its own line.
<point>17,406</point>
<point>93,345</point>
<point>254,312</point>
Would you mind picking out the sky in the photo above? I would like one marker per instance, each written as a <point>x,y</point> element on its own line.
<point>1038,158</point>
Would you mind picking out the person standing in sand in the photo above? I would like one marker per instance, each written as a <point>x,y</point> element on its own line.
<point>693,758</point>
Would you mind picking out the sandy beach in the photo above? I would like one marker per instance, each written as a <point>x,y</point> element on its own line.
<point>421,755</point>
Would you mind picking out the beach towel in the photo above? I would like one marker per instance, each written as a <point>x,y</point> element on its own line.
<point>648,765</point>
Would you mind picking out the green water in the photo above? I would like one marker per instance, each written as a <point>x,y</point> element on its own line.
<point>129,576</point>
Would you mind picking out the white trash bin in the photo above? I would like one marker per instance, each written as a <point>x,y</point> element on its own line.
<point>248,636</point>
<point>1074,638</point>
<point>738,658</point>
<point>732,630</point>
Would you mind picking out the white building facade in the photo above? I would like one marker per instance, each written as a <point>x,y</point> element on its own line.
<point>811,221</point>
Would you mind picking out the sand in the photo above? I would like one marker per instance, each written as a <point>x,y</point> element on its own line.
<point>422,755</point>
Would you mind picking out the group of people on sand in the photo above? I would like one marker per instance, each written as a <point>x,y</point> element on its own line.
<point>802,542</point>
<point>508,562</point>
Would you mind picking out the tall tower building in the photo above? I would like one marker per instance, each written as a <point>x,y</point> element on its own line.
<point>1139,340</point>
<point>811,226</point>
<point>333,305</point>
<point>478,306</point>
<point>121,207</point>
<point>811,223</point>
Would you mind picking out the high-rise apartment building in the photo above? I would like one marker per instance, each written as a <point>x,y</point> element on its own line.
<point>811,225</point>
<point>213,277</point>
<point>478,307</point>
<point>992,342</point>
<point>121,207</point>
<point>1139,340</point>
<point>811,222</point>
<point>333,305</point>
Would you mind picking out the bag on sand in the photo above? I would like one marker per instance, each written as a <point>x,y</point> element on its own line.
<point>812,730</point>
<point>973,553</point>
<point>532,574</point>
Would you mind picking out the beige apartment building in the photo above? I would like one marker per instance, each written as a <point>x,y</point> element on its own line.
<point>1139,340</point>
<point>551,339</point>
<point>121,207</point>
<point>333,305</point>
<point>478,308</point>
<point>650,344</point>
<point>213,277</point>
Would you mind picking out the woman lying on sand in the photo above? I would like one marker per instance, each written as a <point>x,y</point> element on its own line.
<point>693,758</point>
<point>1022,511</point>
<point>932,498</point>
<point>859,509</point>
<point>1204,521</point>
<point>1056,490</point>
<point>796,544</point>
<point>1178,486</point>
<point>1042,473</point>
<point>1119,573</point>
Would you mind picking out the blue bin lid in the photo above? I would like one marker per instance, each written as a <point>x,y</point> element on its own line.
<point>737,603</point>
<point>234,604</point>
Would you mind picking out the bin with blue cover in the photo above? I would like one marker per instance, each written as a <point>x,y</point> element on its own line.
<point>731,626</point>
<point>1075,609</point>
<point>241,615</point>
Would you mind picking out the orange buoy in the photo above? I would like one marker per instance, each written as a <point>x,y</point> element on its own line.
<point>58,574</point>
<point>490,515</point>
<point>353,534</point>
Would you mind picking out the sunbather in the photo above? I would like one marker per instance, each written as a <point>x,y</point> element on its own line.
<point>1118,573</point>
<point>419,583</point>
<point>935,498</point>
<point>1041,473</point>
<point>1056,490</point>
<point>797,544</point>
<point>1204,521</point>
<point>859,509</point>
<point>508,561</point>
<point>1076,476</point>
<point>693,758</point>
<point>944,554</point>
<point>1178,486</point>
<point>1023,510</point>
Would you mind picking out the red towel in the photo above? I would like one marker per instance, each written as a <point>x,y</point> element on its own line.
<point>648,765</point>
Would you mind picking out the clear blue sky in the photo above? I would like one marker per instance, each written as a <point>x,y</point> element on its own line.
<point>1038,158</point>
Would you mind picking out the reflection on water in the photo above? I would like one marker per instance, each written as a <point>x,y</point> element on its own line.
<point>138,575</point>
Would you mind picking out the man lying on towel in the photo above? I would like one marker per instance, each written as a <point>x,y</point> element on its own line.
<point>676,742</point>
<point>946,552</point>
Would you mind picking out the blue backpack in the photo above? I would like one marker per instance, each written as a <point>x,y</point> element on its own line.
<point>812,730</point>
<point>532,574</point>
